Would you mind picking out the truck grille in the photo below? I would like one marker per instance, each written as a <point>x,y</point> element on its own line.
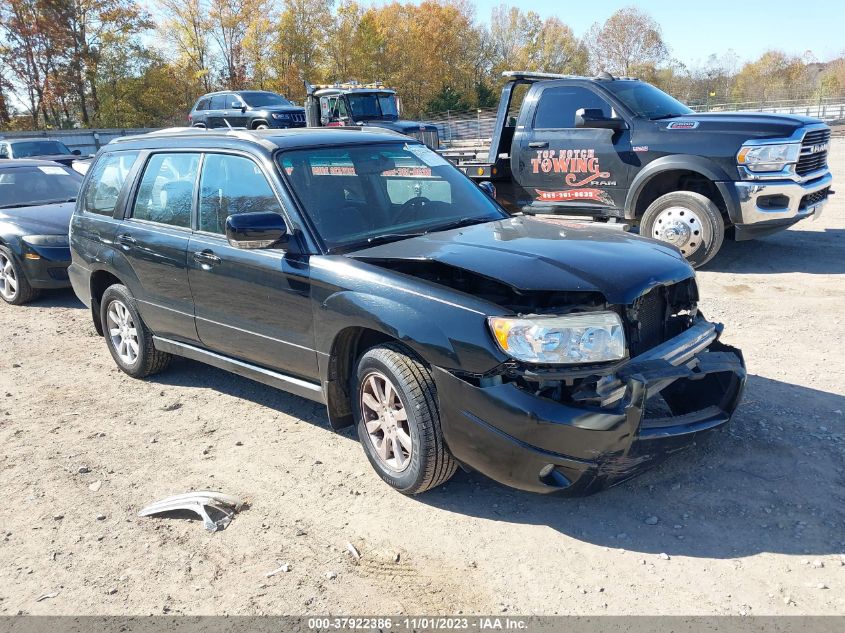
<point>649,329</point>
<point>429,137</point>
<point>814,198</point>
<point>813,152</point>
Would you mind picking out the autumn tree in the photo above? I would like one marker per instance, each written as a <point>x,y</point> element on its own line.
<point>629,42</point>
<point>185,29</point>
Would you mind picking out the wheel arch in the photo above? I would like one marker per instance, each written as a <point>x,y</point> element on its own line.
<point>258,122</point>
<point>678,173</point>
<point>99,282</point>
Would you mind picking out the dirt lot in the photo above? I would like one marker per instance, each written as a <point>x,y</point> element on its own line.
<point>751,522</point>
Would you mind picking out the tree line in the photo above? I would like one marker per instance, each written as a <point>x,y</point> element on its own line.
<point>115,63</point>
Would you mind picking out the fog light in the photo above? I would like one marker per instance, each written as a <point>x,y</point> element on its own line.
<point>32,256</point>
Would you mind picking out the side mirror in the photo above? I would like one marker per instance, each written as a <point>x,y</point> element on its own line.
<point>255,230</point>
<point>594,118</point>
<point>487,187</point>
<point>76,152</point>
<point>243,108</point>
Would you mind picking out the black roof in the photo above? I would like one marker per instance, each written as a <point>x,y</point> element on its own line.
<point>29,162</point>
<point>268,140</point>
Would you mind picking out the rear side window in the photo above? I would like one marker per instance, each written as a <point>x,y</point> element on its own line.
<point>107,178</point>
<point>558,106</point>
<point>166,192</point>
<point>230,185</point>
<point>218,102</point>
<point>202,104</point>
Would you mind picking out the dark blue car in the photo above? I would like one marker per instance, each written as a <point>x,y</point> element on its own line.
<point>36,204</point>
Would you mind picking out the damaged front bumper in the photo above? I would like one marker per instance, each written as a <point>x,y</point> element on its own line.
<point>526,440</point>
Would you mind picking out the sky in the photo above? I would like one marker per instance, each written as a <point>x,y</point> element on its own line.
<point>694,30</point>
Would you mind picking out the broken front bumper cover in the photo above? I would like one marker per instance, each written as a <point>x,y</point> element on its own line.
<point>535,443</point>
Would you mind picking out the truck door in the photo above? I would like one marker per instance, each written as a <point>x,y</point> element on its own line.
<point>333,111</point>
<point>583,171</point>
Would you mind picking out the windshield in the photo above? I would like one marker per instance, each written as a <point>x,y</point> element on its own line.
<point>373,105</point>
<point>360,195</point>
<point>645,100</point>
<point>24,149</point>
<point>42,184</point>
<point>264,99</point>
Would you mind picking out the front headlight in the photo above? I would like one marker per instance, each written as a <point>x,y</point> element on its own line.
<point>759,158</point>
<point>586,337</point>
<point>46,240</point>
<point>280,116</point>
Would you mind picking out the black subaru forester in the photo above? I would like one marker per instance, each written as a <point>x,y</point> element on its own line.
<point>359,269</point>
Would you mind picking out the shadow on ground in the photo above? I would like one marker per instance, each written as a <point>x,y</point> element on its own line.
<point>770,482</point>
<point>795,250</point>
<point>64,298</point>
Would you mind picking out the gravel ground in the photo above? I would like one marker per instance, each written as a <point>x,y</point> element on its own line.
<point>749,522</point>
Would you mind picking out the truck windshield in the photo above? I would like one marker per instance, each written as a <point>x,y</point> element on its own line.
<point>645,100</point>
<point>24,149</point>
<point>264,99</point>
<point>361,195</point>
<point>373,105</point>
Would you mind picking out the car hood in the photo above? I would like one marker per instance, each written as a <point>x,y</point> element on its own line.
<point>745,124</point>
<point>402,126</point>
<point>47,219</point>
<point>547,255</point>
<point>285,109</point>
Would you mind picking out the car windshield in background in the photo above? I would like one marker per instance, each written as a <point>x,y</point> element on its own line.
<point>373,105</point>
<point>23,149</point>
<point>645,100</point>
<point>264,99</point>
<point>40,184</point>
<point>367,194</point>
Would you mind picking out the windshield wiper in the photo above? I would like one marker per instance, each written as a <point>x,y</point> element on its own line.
<point>455,224</point>
<point>666,116</point>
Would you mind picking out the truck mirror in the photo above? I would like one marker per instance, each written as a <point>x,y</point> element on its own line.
<point>594,118</point>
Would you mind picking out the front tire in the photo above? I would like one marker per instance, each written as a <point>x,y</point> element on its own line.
<point>398,420</point>
<point>261,126</point>
<point>14,286</point>
<point>128,339</point>
<point>687,220</point>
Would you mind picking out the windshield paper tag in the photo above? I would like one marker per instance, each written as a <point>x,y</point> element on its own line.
<point>53,171</point>
<point>430,158</point>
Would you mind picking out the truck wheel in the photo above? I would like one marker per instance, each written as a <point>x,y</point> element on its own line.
<point>14,286</point>
<point>398,420</point>
<point>128,339</point>
<point>688,220</point>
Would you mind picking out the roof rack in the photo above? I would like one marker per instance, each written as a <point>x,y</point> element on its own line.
<point>530,75</point>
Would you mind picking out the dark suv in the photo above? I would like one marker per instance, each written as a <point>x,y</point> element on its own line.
<point>250,109</point>
<point>359,269</point>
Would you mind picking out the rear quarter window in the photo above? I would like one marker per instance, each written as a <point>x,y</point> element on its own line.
<point>108,175</point>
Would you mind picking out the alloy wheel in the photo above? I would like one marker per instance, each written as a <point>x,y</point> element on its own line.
<point>8,280</point>
<point>123,333</point>
<point>386,421</point>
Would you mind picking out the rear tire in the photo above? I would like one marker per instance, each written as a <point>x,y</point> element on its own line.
<point>400,427</point>
<point>129,340</point>
<point>687,220</point>
<point>14,286</point>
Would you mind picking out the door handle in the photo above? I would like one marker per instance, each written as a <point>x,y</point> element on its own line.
<point>207,257</point>
<point>538,144</point>
<point>127,240</point>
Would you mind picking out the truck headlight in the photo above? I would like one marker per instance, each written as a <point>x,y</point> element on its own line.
<point>759,158</point>
<point>280,116</point>
<point>586,337</point>
<point>46,240</point>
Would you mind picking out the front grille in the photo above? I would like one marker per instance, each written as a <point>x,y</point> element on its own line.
<point>813,152</point>
<point>298,117</point>
<point>648,328</point>
<point>814,198</point>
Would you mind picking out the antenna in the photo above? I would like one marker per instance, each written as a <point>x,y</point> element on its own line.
<point>226,121</point>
